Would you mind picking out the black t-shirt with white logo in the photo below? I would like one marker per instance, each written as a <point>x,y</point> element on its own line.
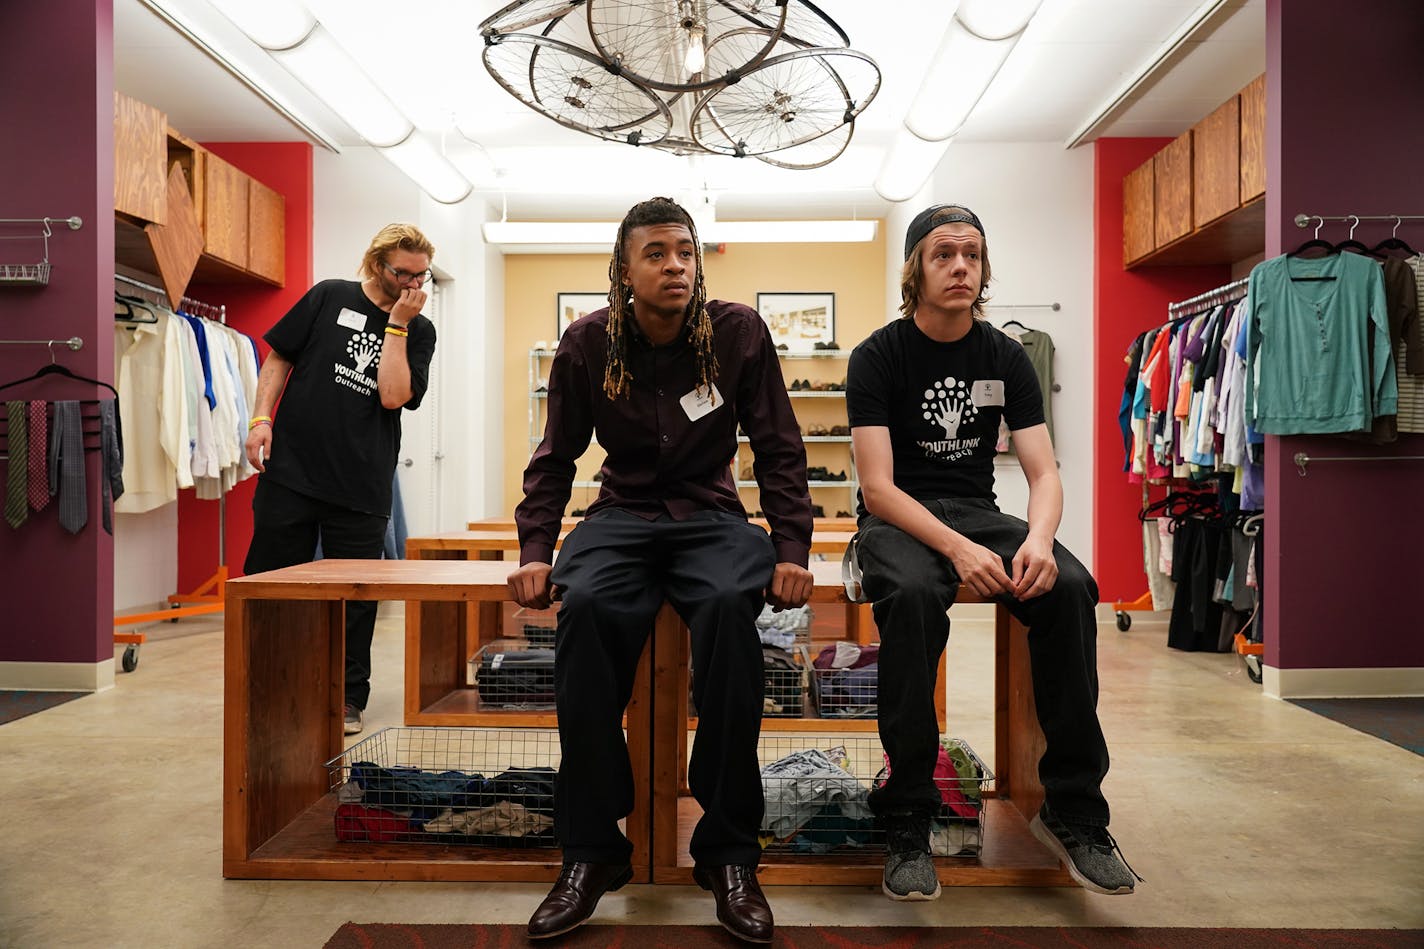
<point>331,438</point>
<point>942,403</point>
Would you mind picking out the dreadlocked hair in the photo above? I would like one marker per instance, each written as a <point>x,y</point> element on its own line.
<point>616,375</point>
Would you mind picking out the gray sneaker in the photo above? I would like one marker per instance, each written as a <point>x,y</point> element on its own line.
<point>351,720</point>
<point>909,871</point>
<point>1088,853</point>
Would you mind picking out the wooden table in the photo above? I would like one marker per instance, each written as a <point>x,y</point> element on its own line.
<point>284,647</point>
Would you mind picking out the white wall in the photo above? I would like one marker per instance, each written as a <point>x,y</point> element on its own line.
<point>145,559</point>
<point>1036,203</point>
<point>452,478</point>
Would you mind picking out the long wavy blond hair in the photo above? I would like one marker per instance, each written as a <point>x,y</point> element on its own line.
<point>394,237</point>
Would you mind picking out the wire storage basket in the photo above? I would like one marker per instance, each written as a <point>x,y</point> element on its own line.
<point>30,275</point>
<point>845,679</point>
<point>513,675</point>
<point>817,796</point>
<point>469,786</point>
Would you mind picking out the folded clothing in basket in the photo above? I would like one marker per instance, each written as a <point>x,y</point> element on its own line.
<point>805,785</point>
<point>844,655</point>
<point>849,691</point>
<point>517,677</point>
<point>782,678</point>
<point>424,795</point>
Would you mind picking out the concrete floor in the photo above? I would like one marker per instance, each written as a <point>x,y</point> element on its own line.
<point>1239,810</point>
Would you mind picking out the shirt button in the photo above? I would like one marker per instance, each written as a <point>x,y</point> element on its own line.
<point>665,438</point>
<point>660,392</point>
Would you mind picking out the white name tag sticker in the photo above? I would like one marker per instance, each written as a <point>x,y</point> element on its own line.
<point>987,392</point>
<point>700,402</point>
<point>351,319</point>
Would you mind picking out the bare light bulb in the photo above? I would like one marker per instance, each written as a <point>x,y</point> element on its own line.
<point>696,54</point>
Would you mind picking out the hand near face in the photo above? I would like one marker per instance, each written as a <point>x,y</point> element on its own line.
<point>408,306</point>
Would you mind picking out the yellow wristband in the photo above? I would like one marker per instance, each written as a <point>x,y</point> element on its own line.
<point>397,332</point>
<point>259,420</point>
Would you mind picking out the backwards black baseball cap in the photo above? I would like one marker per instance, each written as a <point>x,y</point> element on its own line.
<point>935,215</point>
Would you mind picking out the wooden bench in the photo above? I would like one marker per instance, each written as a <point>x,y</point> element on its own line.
<point>283,714</point>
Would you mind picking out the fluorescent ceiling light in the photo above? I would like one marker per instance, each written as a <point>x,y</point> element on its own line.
<point>908,164</point>
<point>602,234</point>
<point>423,164</point>
<point>996,19</point>
<point>961,70</point>
<point>330,72</point>
<point>271,24</point>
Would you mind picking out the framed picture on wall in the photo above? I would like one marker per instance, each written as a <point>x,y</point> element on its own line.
<point>799,320</point>
<point>574,305</point>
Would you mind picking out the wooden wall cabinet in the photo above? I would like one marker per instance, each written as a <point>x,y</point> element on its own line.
<point>1216,163</point>
<point>1138,230</point>
<point>1172,190</point>
<point>1201,198</point>
<point>225,194</point>
<point>140,162</point>
<point>1253,140</point>
<point>266,233</point>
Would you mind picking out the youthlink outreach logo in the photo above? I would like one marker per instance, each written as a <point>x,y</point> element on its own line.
<point>364,349</point>
<point>948,405</point>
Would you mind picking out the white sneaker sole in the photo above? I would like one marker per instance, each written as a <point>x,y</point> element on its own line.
<point>919,896</point>
<point>1051,841</point>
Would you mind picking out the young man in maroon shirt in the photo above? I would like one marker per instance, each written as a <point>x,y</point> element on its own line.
<point>664,378</point>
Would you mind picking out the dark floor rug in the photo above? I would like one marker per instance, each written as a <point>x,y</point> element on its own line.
<point>19,703</point>
<point>592,936</point>
<point>1399,721</point>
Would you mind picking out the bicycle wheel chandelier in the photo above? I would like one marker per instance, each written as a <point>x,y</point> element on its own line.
<point>770,79</point>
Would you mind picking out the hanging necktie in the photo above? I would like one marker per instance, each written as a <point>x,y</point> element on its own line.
<point>17,474</point>
<point>66,466</point>
<point>111,451</point>
<point>39,440</point>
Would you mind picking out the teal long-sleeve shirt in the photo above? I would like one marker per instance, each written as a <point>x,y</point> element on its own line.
<point>1318,358</point>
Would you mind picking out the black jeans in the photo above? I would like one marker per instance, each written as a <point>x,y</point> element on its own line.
<point>912,587</point>
<point>286,525</point>
<point>614,571</point>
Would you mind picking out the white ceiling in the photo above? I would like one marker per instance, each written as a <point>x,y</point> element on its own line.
<point>1073,60</point>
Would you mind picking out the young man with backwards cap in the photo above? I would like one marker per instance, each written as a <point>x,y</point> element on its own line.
<point>925,395</point>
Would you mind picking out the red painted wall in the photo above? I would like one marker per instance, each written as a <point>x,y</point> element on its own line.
<point>252,308</point>
<point>57,161</point>
<point>1125,303</point>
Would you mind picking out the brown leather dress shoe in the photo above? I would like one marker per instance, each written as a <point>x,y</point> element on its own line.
<point>575,896</point>
<point>741,907</point>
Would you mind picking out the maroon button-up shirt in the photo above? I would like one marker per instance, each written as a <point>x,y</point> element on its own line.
<point>661,462</point>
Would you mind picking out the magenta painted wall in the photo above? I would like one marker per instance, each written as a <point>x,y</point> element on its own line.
<point>1342,544</point>
<point>57,160</point>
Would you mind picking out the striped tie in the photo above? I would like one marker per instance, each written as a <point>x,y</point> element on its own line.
<point>39,435</point>
<point>17,479</point>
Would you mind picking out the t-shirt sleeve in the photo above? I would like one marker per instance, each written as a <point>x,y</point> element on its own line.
<point>419,350</point>
<point>289,335</point>
<point>868,385</point>
<point>1023,399</point>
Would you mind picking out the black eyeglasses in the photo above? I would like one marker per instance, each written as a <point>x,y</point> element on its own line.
<point>425,276</point>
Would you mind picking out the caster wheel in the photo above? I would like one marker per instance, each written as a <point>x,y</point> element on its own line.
<point>173,606</point>
<point>1253,668</point>
<point>130,660</point>
<point>1124,622</point>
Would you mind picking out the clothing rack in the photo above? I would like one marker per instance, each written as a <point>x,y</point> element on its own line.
<point>188,304</point>
<point>1302,459</point>
<point>1222,294</point>
<point>210,594</point>
<point>1055,307</point>
<point>1303,220</point>
<point>73,342</point>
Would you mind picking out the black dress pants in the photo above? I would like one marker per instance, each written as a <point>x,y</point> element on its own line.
<point>286,526</point>
<point>614,572</point>
<point>911,588</point>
